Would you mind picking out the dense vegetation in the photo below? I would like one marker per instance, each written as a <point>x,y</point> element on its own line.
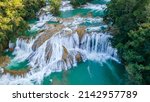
<point>77,3</point>
<point>55,6</point>
<point>13,16</point>
<point>31,7</point>
<point>131,28</point>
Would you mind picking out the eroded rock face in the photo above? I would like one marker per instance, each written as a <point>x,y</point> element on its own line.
<point>16,72</point>
<point>78,57</point>
<point>4,60</point>
<point>65,54</point>
<point>48,51</point>
<point>46,35</point>
<point>81,31</point>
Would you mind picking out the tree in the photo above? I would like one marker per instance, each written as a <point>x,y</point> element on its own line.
<point>77,3</point>
<point>10,20</point>
<point>31,7</point>
<point>13,16</point>
<point>55,6</point>
<point>131,18</point>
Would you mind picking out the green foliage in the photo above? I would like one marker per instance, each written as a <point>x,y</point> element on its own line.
<point>55,6</point>
<point>31,7</point>
<point>131,18</point>
<point>13,14</point>
<point>77,3</point>
<point>10,21</point>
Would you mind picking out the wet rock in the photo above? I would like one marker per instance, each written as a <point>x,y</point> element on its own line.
<point>4,60</point>
<point>11,49</point>
<point>78,57</point>
<point>48,51</point>
<point>16,72</point>
<point>65,54</point>
<point>67,21</point>
<point>46,35</point>
<point>60,20</point>
<point>66,32</point>
<point>11,46</point>
<point>81,31</point>
<point>90,14</point>
<point>43,11</point>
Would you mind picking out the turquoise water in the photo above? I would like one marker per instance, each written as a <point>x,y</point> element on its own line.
<point>18,65</point>
<point>81,12</point>
<point>32,21</point>
<point>99,1</point>
<point>52,22</point>
<point>89,73</point>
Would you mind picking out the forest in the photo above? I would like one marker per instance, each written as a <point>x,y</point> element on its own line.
<point>131,31</point>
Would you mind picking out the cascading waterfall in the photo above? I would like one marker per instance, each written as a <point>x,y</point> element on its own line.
<point>61,51</point>
<point>49,56</point>
<point>98,43</point>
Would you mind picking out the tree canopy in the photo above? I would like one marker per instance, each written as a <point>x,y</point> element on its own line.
<point>77,3</point>
<point>131,20</point>
<point>13,15</point>
<point>55,6</point>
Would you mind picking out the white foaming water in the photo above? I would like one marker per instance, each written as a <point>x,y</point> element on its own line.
<point>98,47</point>
<point>97,7</point>
<point>81,20</point>
<point>42,21</point>
<point>93,46</point>
<point>66,6</point>
<point>22,48</point>
<point>96,28</point>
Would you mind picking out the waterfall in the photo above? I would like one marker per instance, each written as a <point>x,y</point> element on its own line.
<point>23,48</point>
<point>50,57</point>
<point>98,43</point>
